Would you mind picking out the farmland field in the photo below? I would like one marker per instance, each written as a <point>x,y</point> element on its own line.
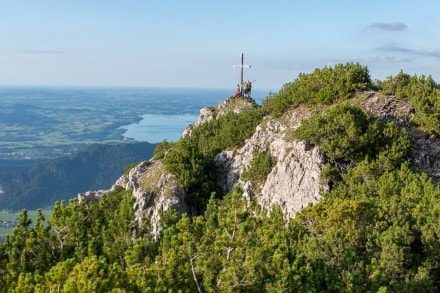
<point>11,217</point>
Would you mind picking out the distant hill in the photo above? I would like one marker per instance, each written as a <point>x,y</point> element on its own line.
<point>96,167</point>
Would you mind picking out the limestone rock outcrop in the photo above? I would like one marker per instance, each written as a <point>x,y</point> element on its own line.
<point>154,191</point>
<point>293,182</point>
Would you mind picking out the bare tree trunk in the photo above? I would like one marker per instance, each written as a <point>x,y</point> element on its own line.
<point>199,289</point>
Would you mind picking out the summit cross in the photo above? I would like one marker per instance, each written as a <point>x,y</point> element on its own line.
<point>241,66</point>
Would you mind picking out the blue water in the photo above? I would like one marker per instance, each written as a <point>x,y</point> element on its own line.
<point>184,108</point>
<point>157,128</point>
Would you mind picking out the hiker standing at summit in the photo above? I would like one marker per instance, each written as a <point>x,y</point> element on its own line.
<point>245,89</point>
<point>249,87</point>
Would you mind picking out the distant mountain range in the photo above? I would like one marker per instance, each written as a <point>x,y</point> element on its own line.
<point>96,167</point>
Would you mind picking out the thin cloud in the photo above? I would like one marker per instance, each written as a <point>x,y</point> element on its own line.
<point>389,26</point>
<point>383,59</point>
<point>387,59</point>
<point>374,59</point>
<point>426,52</point>
<point>43,52</point>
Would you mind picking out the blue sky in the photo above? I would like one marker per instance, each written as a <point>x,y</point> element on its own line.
<point>196,43</point>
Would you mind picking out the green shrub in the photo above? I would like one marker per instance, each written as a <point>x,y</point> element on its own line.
<point>195,171</point>
<point>322,86</point>
<point>340,132</point>
<point>261,165</point>
<point>227,131</point>
<point>330,174</point>
<point>162,148</point>
<point>423,93</point>
<point>346,134</point>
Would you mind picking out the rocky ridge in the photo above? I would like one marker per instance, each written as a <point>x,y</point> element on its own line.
<point>294,181</point>
<point>425,149</point>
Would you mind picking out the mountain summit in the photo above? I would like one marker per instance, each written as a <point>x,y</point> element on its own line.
<point>292,180</point>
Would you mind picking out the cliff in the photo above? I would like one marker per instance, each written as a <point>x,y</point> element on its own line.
<point>294,181</point>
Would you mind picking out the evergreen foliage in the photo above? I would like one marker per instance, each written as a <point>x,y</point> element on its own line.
<point>371,229</point>
<point>261,165</point>
<point>347,135</point>
<point>322,86</point>
<point>162,148</point>
<point>366,235</point>
<point>227,131</point>
<point>195,171</point>
<point>423,93</point>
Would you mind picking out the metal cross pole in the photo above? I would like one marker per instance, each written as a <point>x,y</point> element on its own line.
<point>241,66</point>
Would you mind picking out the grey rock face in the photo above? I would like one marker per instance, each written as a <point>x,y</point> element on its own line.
<point>154,191</point>
<point>293,182</point>
<point>425,156</point>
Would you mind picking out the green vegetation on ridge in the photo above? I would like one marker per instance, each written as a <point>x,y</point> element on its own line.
<point>423,93</point>
<point>8,220</point>
<point>346,134</point>
<point>323,86</point>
